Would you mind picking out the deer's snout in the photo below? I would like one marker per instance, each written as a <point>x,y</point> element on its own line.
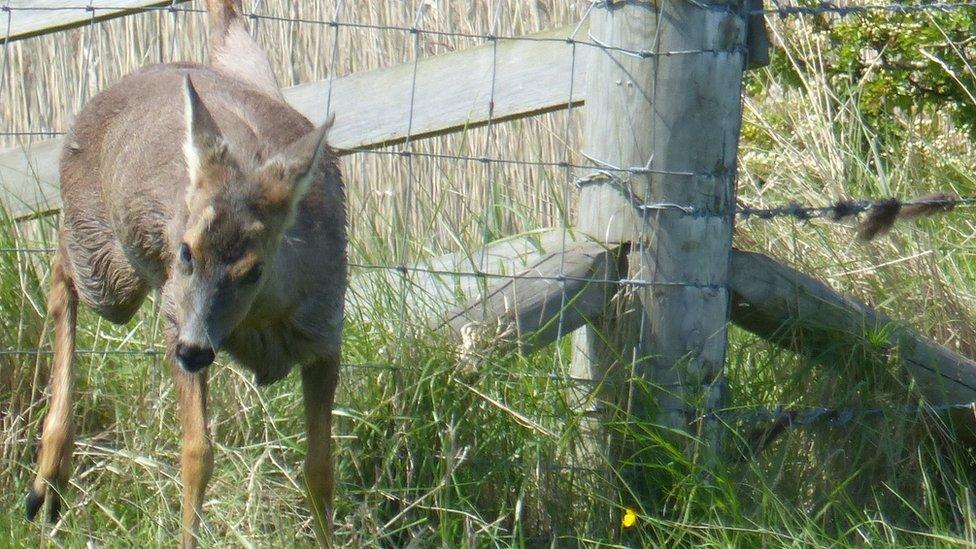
<point>194,358</point>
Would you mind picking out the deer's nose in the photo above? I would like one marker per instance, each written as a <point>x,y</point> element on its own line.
<point>194,358</point>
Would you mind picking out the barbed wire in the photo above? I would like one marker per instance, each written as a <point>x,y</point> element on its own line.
<point>836,211</point>
<point>844,209</point>
<point>881,214</point>
<point>889,208</point>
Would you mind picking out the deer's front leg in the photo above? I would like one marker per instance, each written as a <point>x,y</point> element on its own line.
<point>319,380</point>
<point>196,462</point>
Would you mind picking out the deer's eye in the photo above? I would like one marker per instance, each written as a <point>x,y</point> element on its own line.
<point>186,258</point>
<point>253,275</point>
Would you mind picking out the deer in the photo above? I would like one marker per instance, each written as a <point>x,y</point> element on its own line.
<point>199,182</point>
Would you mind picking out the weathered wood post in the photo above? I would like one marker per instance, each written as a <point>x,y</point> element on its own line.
<point>663,113</point>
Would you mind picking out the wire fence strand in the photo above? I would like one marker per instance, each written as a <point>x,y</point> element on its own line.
<point>881,212</point>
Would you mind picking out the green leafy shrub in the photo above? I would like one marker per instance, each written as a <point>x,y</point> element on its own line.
<point>919,62</point>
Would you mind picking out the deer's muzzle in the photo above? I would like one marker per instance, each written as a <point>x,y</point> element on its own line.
<point>194,358</point>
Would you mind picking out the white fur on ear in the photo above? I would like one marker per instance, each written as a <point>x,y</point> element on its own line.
<point>202,135</point>
<point>189,149</point>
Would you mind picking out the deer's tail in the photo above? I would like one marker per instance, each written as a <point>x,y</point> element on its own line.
<point>57,438</point>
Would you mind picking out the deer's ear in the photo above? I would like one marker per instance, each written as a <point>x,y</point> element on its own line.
<point>286,177</point>
<point>204,146</point>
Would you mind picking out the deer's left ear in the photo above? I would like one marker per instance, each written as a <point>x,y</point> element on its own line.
<point>287,176</point>
<point>204,146</point>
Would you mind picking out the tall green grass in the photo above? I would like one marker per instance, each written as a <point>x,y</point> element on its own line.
<point>432,454</point>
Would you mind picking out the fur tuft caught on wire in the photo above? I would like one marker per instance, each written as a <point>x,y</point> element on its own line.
<point>881,214</point>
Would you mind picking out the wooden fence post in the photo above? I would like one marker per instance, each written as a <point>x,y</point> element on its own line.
<point>663,114</point>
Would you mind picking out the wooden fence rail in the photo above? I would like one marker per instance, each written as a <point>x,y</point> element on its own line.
<point>790,309</point>
<point>453,92</point>
<point>34,17</point>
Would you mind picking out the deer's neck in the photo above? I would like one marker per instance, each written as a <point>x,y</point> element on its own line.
<point>282,290</point>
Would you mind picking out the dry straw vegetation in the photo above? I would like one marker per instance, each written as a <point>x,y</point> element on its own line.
<point>430,456</point>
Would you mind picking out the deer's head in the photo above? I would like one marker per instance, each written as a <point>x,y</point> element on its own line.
<point>237,211</point>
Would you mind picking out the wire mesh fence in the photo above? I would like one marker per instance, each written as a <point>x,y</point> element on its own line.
<point>597,173</point>
<point>484,158</point>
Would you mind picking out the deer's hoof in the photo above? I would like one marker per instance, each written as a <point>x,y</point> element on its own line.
<point>55,511</point>
<point>33,504</point>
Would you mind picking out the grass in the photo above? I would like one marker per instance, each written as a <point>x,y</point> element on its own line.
<point>431,454</point>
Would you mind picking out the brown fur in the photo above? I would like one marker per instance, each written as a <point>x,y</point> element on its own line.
<point>210,157</point>
<point>57,442</point>
<point>243,266</point>
<point>197,459</point>
<point>232,50</point>
<point>882,216</point>
<point>929,204</point>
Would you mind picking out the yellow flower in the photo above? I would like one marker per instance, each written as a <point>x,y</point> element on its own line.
<point>629,519</point>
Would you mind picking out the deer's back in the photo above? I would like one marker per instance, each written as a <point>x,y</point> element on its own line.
<point>123,170</point>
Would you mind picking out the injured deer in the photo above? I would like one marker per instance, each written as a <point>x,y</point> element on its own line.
<point>202,183</point>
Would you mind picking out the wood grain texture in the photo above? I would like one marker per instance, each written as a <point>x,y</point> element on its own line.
<point>617,134</point>
<point>534,308</point>
<point>770,299</point>
<point>33,17</point>
<point>434,288</point>
<point>453,91</point>
<point>693,143</point>
<point>802,314</point>
<point>677,115</point>
<point>29,178</point>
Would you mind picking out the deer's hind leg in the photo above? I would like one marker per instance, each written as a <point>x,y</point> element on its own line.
<point>98,274</point>
<point>319,381</point>
<point>57,439</point>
